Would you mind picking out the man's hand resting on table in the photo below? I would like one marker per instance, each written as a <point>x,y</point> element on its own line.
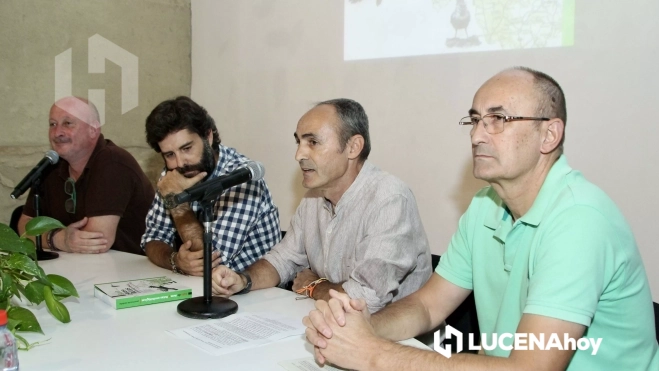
<point>326,325</point>
<point>75,239</point>
<point>226,282</point>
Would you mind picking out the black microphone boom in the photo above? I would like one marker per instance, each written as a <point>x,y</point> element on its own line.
<point>210,189</point>
<point>209,306</point>
<point>50,158</point>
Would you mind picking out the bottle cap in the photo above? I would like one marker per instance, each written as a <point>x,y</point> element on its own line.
<point>3,317</point>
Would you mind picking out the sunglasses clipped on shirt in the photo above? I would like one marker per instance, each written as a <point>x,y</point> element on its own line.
<point>70,189</point>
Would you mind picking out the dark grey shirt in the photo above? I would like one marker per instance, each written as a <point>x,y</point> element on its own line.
<point>372,241</point>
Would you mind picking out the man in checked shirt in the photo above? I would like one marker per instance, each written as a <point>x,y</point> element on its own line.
<point>246,222</point>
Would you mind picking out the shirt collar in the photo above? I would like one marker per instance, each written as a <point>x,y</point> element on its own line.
<point>63,166</point>
<point>222,161</point>
<point>359,182</point>
<point>534,215</point>
<point>100,145</point>
<point>498,213</point>
<point>547,192</point>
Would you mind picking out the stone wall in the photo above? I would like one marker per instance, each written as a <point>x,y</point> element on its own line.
<point>35,35</point>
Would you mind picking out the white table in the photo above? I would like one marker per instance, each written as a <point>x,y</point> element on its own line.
<point>102,338</point>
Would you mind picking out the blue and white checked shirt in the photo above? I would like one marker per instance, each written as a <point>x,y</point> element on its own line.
<point>246,224</point>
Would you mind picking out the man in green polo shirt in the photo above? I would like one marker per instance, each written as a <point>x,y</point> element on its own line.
<point>556,274</point>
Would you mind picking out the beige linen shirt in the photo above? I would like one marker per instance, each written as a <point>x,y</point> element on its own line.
<point>372,241</point>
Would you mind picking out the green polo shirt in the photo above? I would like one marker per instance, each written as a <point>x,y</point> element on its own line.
<point>572,256</point>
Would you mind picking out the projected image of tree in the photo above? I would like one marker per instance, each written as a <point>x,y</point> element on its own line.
<point>518,24</point>
<point>391,28</point>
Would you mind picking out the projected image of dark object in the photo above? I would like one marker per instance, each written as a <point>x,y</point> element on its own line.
<point>460,21</point>
<point>385,29</point>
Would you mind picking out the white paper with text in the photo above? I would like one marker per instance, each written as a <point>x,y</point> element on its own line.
<point>306,364</point>
<point>239,331</point>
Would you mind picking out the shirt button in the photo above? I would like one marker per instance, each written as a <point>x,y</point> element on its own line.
<point>329,230</point>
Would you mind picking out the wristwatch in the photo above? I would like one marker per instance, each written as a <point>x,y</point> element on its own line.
<point>248,285</point>
<point>168,201</point>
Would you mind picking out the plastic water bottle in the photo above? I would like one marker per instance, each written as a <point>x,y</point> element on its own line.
<point>8,348</point>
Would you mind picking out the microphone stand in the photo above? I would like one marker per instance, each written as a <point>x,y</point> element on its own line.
<point>207,306</point>
<point>41,254</point>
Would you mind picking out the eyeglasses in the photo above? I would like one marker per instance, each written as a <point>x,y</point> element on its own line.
<point>493,122</point>
<point>70,189</point>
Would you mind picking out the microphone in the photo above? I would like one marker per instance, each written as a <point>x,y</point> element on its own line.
<point>210,189</point>
<point>50,158</point>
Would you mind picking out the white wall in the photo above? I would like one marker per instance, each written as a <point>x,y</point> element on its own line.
<point>259,65</point>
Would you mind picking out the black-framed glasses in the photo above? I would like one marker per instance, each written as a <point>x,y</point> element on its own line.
<point>70,189</point>
<point>494,122</point>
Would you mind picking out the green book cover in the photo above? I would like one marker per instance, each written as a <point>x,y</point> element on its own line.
<point>145,291</point>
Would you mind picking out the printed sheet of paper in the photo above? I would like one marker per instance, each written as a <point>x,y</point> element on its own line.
<point>309,364</point>
<point>306,364</point>
<point>239,331</point>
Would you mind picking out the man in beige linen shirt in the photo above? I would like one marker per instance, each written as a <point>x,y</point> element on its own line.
<point>357,229</point>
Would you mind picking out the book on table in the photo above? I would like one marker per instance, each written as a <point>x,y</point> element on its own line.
<point>138,292</point>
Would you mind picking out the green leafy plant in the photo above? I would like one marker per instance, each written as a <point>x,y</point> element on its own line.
<point>23,278</point>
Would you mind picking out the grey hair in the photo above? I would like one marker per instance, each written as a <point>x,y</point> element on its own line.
<point>552,99</point>
<point>353,122</point>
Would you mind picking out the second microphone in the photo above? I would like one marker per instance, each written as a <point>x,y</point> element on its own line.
<point>210,189</point>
